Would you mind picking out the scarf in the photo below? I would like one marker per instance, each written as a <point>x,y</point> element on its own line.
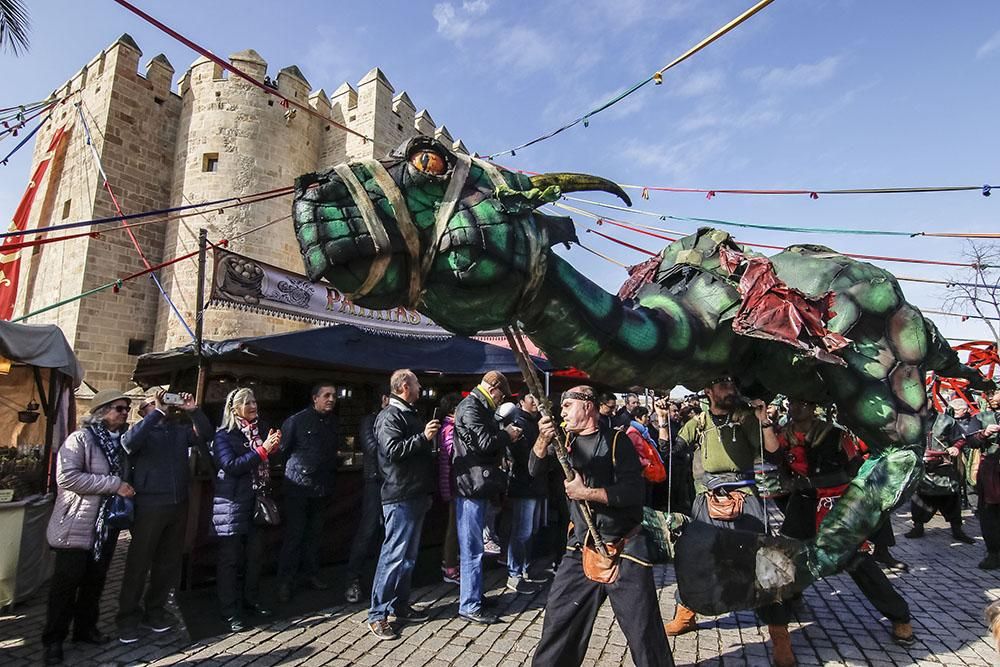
<point>116,459</point>
<point>262,473</point>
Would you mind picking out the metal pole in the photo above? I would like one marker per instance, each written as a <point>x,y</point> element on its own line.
<point>199,323</point>
<point>545,407</point>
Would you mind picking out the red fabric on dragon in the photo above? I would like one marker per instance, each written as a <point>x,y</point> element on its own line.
<point>773,310</point>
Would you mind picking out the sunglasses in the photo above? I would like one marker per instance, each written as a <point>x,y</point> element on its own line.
<point>120,408</point>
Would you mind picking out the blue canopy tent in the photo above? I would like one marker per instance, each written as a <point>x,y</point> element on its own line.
<point>344,348</point>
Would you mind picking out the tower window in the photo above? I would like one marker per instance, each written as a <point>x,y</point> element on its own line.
<point>136,346</point>
<point>66,206</point>
<point>210,162</point>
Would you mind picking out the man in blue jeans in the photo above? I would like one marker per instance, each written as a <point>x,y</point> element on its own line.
<point>527,499</point>
<point>406,459</point>
<point>480,445</point>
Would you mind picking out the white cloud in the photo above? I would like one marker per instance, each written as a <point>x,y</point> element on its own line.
<point>808,74</point>
<point>476,7</point>
<point>700,83</point>
<point>678,161</point>
<point>989,46</point>
<point>456,23</point>
<point>525,49</point>
<point>449,23</point>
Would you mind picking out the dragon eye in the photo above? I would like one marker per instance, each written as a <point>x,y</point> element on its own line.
<point>429,162</point>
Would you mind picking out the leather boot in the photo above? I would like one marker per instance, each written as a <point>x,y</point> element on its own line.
<point>959,534</point>
<point>991,562</point>
<point>902,633</point>
<point>916,531</point>
<point>781,646</point>
<point>685,620</point>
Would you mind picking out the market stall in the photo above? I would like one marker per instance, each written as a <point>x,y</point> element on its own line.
<point>38,373</point>
<point>281,370</point>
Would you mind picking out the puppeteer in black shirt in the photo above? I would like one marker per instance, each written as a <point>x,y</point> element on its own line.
<point>606,464</point>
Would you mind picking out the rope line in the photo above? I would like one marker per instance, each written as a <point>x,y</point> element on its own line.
<point>241,200</point>
<point>883,258</point>
<point>782,228</point>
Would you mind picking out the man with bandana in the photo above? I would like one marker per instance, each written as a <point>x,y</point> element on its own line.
<point>727,440</point>
<point>608,479</point>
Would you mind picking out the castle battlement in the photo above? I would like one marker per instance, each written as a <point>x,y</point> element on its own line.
<point>213,136</point>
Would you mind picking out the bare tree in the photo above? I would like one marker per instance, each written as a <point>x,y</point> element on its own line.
<point>14,23</point>
<point>977,289</point>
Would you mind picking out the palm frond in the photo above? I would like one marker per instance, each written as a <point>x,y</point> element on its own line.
<point>14,23</point>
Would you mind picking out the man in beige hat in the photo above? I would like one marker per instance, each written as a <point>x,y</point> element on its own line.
<point>480,444</point>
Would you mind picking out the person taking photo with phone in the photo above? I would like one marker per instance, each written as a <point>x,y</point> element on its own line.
<point>158,448</point>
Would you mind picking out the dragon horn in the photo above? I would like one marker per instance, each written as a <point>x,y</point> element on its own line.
<point>569,182</point>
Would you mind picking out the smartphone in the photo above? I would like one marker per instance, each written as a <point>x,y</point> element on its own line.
<point>172,399</point>
<point>436,414</point>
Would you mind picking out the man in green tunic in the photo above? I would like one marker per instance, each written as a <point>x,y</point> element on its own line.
<point>727,440</point>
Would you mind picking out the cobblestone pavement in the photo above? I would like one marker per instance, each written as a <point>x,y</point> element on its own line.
<point>834,625</point>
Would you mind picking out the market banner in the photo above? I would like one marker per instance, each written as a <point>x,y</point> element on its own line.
<point>10,262</point>
<point>248,284</point>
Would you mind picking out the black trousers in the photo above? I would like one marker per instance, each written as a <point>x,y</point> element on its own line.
<point>800,523</point>
<point>572,606</point>
<point>989,523</point>
<point>75,592</point>
<point>303,517</point>
<point>923,507</point>
<point>156,550</point>
<point>238,570</point>
<point>875,586</point>
<point>753,519</point>
<point>371,529</point>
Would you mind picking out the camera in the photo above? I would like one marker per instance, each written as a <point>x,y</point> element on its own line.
<point>169,398</point>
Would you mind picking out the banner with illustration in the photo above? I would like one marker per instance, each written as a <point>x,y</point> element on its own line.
<point>248,284</point>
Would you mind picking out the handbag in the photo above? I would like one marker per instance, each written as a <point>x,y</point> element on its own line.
<point>605,569</point>
<point>265,511</point>
<point>121,513</point>
<point>725,507</point>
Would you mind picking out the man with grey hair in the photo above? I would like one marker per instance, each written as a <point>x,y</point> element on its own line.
<point>939,489</point>
<point>407,461</point>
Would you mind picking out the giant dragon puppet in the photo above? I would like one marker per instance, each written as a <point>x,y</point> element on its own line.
<point>463,242</point>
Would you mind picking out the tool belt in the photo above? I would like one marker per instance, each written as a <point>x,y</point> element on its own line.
<point>605,570</point>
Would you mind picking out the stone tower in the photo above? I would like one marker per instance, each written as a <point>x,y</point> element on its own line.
<point>218,136</point>
<point>133,122</point>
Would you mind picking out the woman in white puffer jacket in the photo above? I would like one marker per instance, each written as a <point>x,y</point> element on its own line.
<point>89,472</point>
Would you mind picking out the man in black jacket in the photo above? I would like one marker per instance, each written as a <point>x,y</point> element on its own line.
<point>480,444</point>
<point>406,461</point>
<point>158,454</point>
<point>369,534</point>
<point>609,478</point>
<point>310,440</point>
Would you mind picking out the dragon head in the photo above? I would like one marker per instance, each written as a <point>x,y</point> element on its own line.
<point>453,236</point>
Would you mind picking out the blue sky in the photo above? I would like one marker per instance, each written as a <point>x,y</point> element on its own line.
<point>822,94</point>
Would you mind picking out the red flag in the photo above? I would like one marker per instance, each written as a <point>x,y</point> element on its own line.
<point>10,262</point>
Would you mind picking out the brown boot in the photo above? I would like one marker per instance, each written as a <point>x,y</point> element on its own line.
<point>781,646</point>
<point>685,620</point>
<point>902,633</point>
